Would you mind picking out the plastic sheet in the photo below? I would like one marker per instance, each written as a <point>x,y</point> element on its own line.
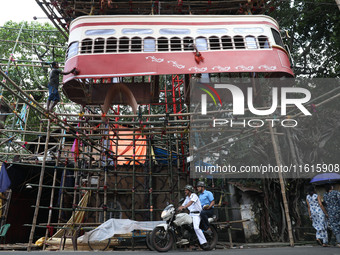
<point>117,226</point>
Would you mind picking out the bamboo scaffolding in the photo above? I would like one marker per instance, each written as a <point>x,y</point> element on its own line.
<point>169,131</point>
<point>92,209</point>
<point>112,169</point>
<point>25,29</point>
<point>37,44</point>
<point>36,211</point>
<point>41,110</point>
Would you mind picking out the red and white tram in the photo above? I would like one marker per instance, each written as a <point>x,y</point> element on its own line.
<point>106,48</point>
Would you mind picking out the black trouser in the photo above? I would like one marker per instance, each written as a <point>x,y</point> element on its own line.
<point>205,214</point>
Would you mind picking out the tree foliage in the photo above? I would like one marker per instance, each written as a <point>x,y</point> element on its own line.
<point>314,40</point>
<point>37,45</point>
<point>26,49</point>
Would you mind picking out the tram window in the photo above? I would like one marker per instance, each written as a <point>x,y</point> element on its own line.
<point>248,30</point>
<point>100,32</point>
<point>277,37</point>
<point>201,43</point>
<point>203,31</point>
<point>99,45</point>
<point>239,42</point>
<point>174,31</point>
<point>162,44</point>
<point>251,42</point>
<point>86,46</point>
<point>72,50</point>
<point>149,44</point>
<point>111,44</point>
<point>175,44</point>
<point>263,42</point>
<point>188,43</point>
<point>226,42</point>
<point>123,44</point>
<point>137,31</point>
<point>136,44</point>
<point>214,42</point>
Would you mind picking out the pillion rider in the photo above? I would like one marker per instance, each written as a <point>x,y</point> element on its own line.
<point>207,201</point>
<point>193,204</point>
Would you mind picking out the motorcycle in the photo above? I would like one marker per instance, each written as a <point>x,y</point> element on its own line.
<point>178,229</point>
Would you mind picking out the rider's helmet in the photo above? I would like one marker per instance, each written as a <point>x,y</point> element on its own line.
<point>190,188</point>
<point>201,184</point>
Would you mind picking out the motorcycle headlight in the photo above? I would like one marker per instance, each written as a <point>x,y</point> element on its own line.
<point>164,214</point>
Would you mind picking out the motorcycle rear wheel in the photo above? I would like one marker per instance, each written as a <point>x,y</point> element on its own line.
<point>212,239</point>
<point>162,240</point>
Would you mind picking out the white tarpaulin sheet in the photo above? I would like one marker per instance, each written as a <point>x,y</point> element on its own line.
<point>117,226</point>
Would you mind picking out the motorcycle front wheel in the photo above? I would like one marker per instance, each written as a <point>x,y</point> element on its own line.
<point>162,240</point>
<point>148,241</point>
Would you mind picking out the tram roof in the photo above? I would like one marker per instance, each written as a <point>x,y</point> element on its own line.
<point>167,19</point>
<point>61,13</point>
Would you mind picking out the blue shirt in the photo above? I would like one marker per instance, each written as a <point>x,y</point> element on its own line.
<point>206,197</point>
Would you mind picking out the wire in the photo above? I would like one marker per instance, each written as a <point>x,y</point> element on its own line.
<point>12,28</point>
<point>308,2</point>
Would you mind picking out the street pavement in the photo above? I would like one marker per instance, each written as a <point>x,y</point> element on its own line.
<point>298,250</point>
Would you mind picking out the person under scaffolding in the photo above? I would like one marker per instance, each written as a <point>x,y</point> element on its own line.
<point>54,97</point>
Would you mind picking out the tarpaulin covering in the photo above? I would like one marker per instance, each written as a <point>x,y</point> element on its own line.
<point>117,226</point>
<point>5,182</point>
<point>126,148</point>
<point>77,217</point>
<point>163,156</point>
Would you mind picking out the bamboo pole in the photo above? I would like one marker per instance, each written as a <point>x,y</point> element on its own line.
<point>133,178</point>
<point>51,204</point>
<point>62,193</point>
<point>30,43</point>
<point>171,185</point>
<point>98,199</point>
<point>97,191</point>
<point>27,117</point>
<point>106,168</point>
<point>46,7</point>
<point>115,199</point>
<point>282,184</point>
<point>37,204</point>
<point>92,209</point>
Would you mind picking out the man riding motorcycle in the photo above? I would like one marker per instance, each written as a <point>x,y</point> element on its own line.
<point>207,201</point>
<point>193,204</point>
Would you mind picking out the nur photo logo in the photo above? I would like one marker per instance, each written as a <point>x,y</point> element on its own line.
<point>281,99</point>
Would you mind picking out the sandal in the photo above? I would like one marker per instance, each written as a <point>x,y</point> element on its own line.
<point>318,241</point>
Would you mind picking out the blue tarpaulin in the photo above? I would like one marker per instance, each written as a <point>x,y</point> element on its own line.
<point>5,182</point>
<point>162,156</point>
